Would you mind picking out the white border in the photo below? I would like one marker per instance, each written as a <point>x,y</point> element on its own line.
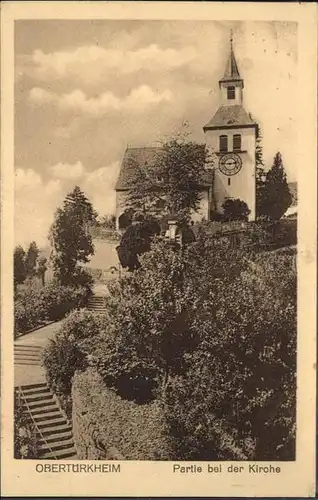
<point>156,478</point>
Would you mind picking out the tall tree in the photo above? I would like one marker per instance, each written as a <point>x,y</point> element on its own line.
<point>19,266</point>
<point>260,173</point>
<point>277,197</point>
<point>69,236</point>
<point>172,183</point>
<point>31,258</point>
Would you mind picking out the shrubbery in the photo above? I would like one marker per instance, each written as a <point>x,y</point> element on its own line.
<point>212,330</point>
<point>50,303</point>
<point>25,441</point>
<point>66,353</point>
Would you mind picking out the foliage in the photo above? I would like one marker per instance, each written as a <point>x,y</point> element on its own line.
<point>136,240</point>
<point>137,432</point>
<point>108,221</point>
<point>260,173</point>
<point>42,268</point>
<point>52,302</point>
<point>240,379</point>
<point>31,259</point>
<point>66,353</point>
<point>212,330</point>
<point>69,236</point>
<point>276,195</point>
<point>19,265</point>
<point>25,441</point>
<point>172,183</point>
<point>235,210</point>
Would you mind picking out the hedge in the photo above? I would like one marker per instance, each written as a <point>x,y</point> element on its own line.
<point>106,426</point>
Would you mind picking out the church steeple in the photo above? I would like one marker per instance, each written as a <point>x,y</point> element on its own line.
<point>231,84</point>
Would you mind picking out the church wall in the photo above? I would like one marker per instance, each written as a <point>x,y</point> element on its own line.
<point>121,197</point>
<point>242,185</point>
<point>238,95</point>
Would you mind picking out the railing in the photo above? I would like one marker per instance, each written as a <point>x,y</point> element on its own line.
<point>21,392</point>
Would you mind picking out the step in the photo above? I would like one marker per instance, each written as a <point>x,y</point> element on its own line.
<point>47,425</point>
<point>71,453</point>
<point>44,397</point>
<point>26,362</point>
<point>44,391</point>
<point>47,416</point>
<point>34,386</point>
<point>28,347</point>
<point>43,404</point>
<point>59,429</point>
<point>28,352</point>
<point>62,436</point>
<point>63,445</point>
<point>40,390</point>
<point>44,410</point>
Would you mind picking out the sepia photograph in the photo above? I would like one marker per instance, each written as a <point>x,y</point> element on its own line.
<point>156,240</point>
<point>158,249</point>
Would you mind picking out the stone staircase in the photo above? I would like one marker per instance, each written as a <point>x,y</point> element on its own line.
<point>27,354</point>
<point>54,431</point>
<point>96,303</point>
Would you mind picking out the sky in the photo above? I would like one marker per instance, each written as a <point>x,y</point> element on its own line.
<point>85,90</point>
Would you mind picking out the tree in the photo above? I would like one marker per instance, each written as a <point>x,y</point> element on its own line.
<point>31,258</point>
<point>136,240</point>
<point>70,238</point>
<point>260,173</point>
<point>235,210</point>
<point>19,265</point>
<point>171,184</point>
<point>42,268</point>
<point>277,197</point>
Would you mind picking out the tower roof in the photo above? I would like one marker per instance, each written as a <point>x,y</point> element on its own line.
<point>231,72</point>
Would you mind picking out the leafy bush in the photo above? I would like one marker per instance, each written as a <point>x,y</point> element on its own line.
<point>57,300</point>
<point>25,441</point>
<point>66,353</point>
<point>235,210</point>
<point>34,306</point>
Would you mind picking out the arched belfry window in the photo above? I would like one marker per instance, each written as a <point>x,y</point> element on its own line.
<point>223,144</point>
<point>237,142</point>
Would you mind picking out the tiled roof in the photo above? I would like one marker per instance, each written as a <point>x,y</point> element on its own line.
<point>143,157</point>
<point>231,70</point>
<point>227,116</point>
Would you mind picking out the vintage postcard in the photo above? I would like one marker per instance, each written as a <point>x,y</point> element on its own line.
<point>158,249</point>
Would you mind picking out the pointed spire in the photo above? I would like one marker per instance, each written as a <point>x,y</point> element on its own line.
<point>231,70</point>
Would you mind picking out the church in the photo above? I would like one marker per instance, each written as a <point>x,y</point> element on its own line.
<point>230,135</point>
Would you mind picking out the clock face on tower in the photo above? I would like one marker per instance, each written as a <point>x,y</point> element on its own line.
<point>230,164</point>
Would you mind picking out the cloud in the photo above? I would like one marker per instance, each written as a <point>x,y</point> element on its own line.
<point>91,63</point>
<point>36,199</point>
<point>77,100</point>
<point>67,171</point>
<point>35,203</point>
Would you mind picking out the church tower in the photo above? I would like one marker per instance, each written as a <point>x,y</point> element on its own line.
<point>231,135</point>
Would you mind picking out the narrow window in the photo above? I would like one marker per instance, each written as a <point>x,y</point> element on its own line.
<point>231,92</point>
<point>229,181</point>
<point>237,142</point>
<point>223,143</point>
